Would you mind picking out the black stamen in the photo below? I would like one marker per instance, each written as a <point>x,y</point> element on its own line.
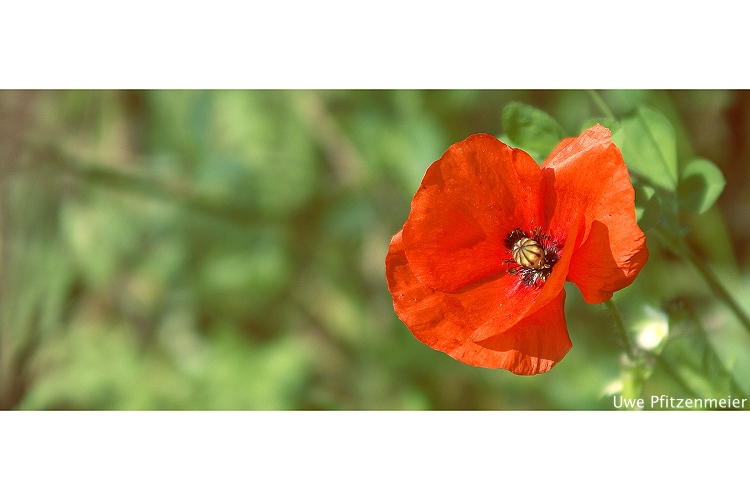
<point>513,238</point>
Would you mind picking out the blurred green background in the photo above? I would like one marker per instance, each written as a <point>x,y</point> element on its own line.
<point>225,250</point>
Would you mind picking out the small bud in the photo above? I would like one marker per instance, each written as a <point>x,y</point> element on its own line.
<point>653,330</point>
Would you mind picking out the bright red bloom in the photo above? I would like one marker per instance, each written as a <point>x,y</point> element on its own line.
<point>478,269</point>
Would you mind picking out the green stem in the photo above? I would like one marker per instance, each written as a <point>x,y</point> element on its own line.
<point>620,328</point>
<point>714,354</point>
<point>713,281</point>
<point>667,368</point>
<point>632,354</point>
<point>718,288</point>
<point>600,102</point>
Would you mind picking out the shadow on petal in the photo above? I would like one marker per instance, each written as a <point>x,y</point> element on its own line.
<point>595,269</point>
<point>533,345</point>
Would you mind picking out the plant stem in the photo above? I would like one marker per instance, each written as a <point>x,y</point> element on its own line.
<point>633,355</point>
<point>714,354</point>
<point>620,327</point>
<point>718,288</point>
<point>601,104</point>
<point>710,277</point>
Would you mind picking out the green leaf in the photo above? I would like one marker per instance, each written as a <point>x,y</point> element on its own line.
<point>647,207</point>
<point>532,129</point>
<point>648,145</point>
<point>701,183</point>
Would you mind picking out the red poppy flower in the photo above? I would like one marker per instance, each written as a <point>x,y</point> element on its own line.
<point>478,269</point>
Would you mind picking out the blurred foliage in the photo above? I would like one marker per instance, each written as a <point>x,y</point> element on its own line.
<point>225,249</point>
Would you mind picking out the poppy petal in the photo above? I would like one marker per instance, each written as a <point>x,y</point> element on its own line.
<point>515,340</point>
<point>609,260</point>
<point>448,317</point>
<point>534,345</point>
<point>469,201</point>
<point>587,176</point>
<point>536,298</point>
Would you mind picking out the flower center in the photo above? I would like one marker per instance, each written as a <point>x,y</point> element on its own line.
<point>534,255</point>
<point>528,253</point>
